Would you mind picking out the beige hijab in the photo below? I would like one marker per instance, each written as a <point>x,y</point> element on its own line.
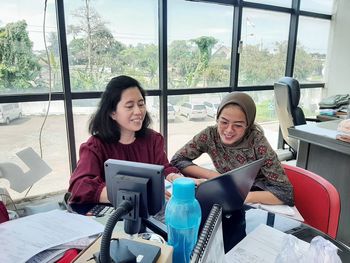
<point>248,106</point>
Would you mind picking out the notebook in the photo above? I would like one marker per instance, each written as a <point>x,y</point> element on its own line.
<point>210,244</point>
<point>229,190</point>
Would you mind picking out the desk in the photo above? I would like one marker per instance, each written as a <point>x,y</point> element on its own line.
<point>321,153</point>
<point>86,255</point>
<point>252,218</point>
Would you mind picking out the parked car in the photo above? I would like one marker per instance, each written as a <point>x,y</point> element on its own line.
<point>171,112</point>
<point>193,110</point>
<point>9,112</point>
<point>211,108</point>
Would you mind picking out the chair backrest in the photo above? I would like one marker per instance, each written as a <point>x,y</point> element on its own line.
<point>287,97</point>
<point>316,199</point>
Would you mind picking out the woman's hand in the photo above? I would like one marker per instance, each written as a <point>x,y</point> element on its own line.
<point>167,195</point>
<point>198,181</point>
<point>263,197</point>
<point>103,196</point>
<point>172,176</point>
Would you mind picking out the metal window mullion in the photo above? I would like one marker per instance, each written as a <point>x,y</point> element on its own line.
<point>62,41</point>
<point>163,70</point>
<point>292,39</point>
<point>236,36</point>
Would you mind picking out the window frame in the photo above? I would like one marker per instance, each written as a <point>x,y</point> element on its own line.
<point>163,92</point>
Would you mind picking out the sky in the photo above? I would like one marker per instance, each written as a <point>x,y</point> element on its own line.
<point>135,21</point>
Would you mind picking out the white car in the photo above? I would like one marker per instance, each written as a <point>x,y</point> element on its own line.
<point>171,112</point>
<point>193,110</point>
<point>9,112</point>
<point>211,108</point>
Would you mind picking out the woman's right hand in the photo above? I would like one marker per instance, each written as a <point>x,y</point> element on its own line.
<point>198,181</point>
<point>103,196</point>
<point>167,195</point>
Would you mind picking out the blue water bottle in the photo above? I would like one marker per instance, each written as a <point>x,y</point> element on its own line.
<point>183,217</point>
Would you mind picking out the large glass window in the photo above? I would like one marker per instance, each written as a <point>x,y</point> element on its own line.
<point>28,64</point>
<point>107,38</point>
<point>110,38</point>
<point>263,47</point>
<point>311,51</point>
<point>318,6</point>
<point>199,44</point>
<point>24,61</point>
<point>309,99</point>
<point>23,132</point>
<point>284,3</point>
<point>193,114</point>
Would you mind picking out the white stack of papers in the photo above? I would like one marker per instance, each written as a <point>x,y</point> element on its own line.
<point>285,210</point>
<point>25,237</point>
<point>262,245</point>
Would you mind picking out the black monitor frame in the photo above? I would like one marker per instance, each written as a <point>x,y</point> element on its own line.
<point>137,191</point>
<point>144,182</point>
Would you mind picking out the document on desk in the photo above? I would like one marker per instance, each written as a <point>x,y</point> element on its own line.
<point>314,129</point>
<point>262,245</point>
<point>25,237</point>
<point>285,210</point>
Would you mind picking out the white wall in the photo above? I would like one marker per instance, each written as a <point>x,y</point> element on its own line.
<point>338,61</point>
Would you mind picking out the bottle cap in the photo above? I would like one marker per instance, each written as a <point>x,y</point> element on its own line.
<point>183,188</point>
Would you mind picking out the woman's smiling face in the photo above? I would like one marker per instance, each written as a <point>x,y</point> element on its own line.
<point>130,111</point>
<point>232,124</point>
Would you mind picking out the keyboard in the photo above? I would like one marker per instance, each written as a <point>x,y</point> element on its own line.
<point>100,210</point>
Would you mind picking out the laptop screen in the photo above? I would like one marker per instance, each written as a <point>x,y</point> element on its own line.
<point>229,190</point>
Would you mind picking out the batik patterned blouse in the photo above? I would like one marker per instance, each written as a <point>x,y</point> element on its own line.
<point>225,158</point>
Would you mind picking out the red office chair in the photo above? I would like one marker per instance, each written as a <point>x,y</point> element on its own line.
<point>316,199</point>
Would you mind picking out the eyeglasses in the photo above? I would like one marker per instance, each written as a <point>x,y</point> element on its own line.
<point>234,125</point>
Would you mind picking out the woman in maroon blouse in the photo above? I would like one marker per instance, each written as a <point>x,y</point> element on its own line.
<point>119,130</point>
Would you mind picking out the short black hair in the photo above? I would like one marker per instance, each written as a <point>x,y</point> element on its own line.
<point>101,124</point>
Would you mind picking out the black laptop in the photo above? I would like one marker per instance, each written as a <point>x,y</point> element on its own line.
<point>229,190</point>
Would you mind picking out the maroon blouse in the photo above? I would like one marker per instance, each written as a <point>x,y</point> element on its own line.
<point>88,179</point>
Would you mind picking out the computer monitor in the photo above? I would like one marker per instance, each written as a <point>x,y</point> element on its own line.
<point>136,190</point>
<point>143,183</point>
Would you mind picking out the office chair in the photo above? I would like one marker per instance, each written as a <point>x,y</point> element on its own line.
<point>287,97</point>
<point>316,199</point>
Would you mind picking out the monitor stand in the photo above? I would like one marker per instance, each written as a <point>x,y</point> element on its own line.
<point>129,251</point>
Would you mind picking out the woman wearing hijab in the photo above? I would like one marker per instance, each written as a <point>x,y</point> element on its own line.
<point>235,141</point>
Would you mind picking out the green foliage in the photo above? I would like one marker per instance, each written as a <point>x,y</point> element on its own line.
<point>19,66</point>
<point>95,56</point>
<point>265,111</point>
<point>205,45</point>
<point>259,66</point>
<point>141,62</point>
<point>306,64</point>
<point>183,59</point>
